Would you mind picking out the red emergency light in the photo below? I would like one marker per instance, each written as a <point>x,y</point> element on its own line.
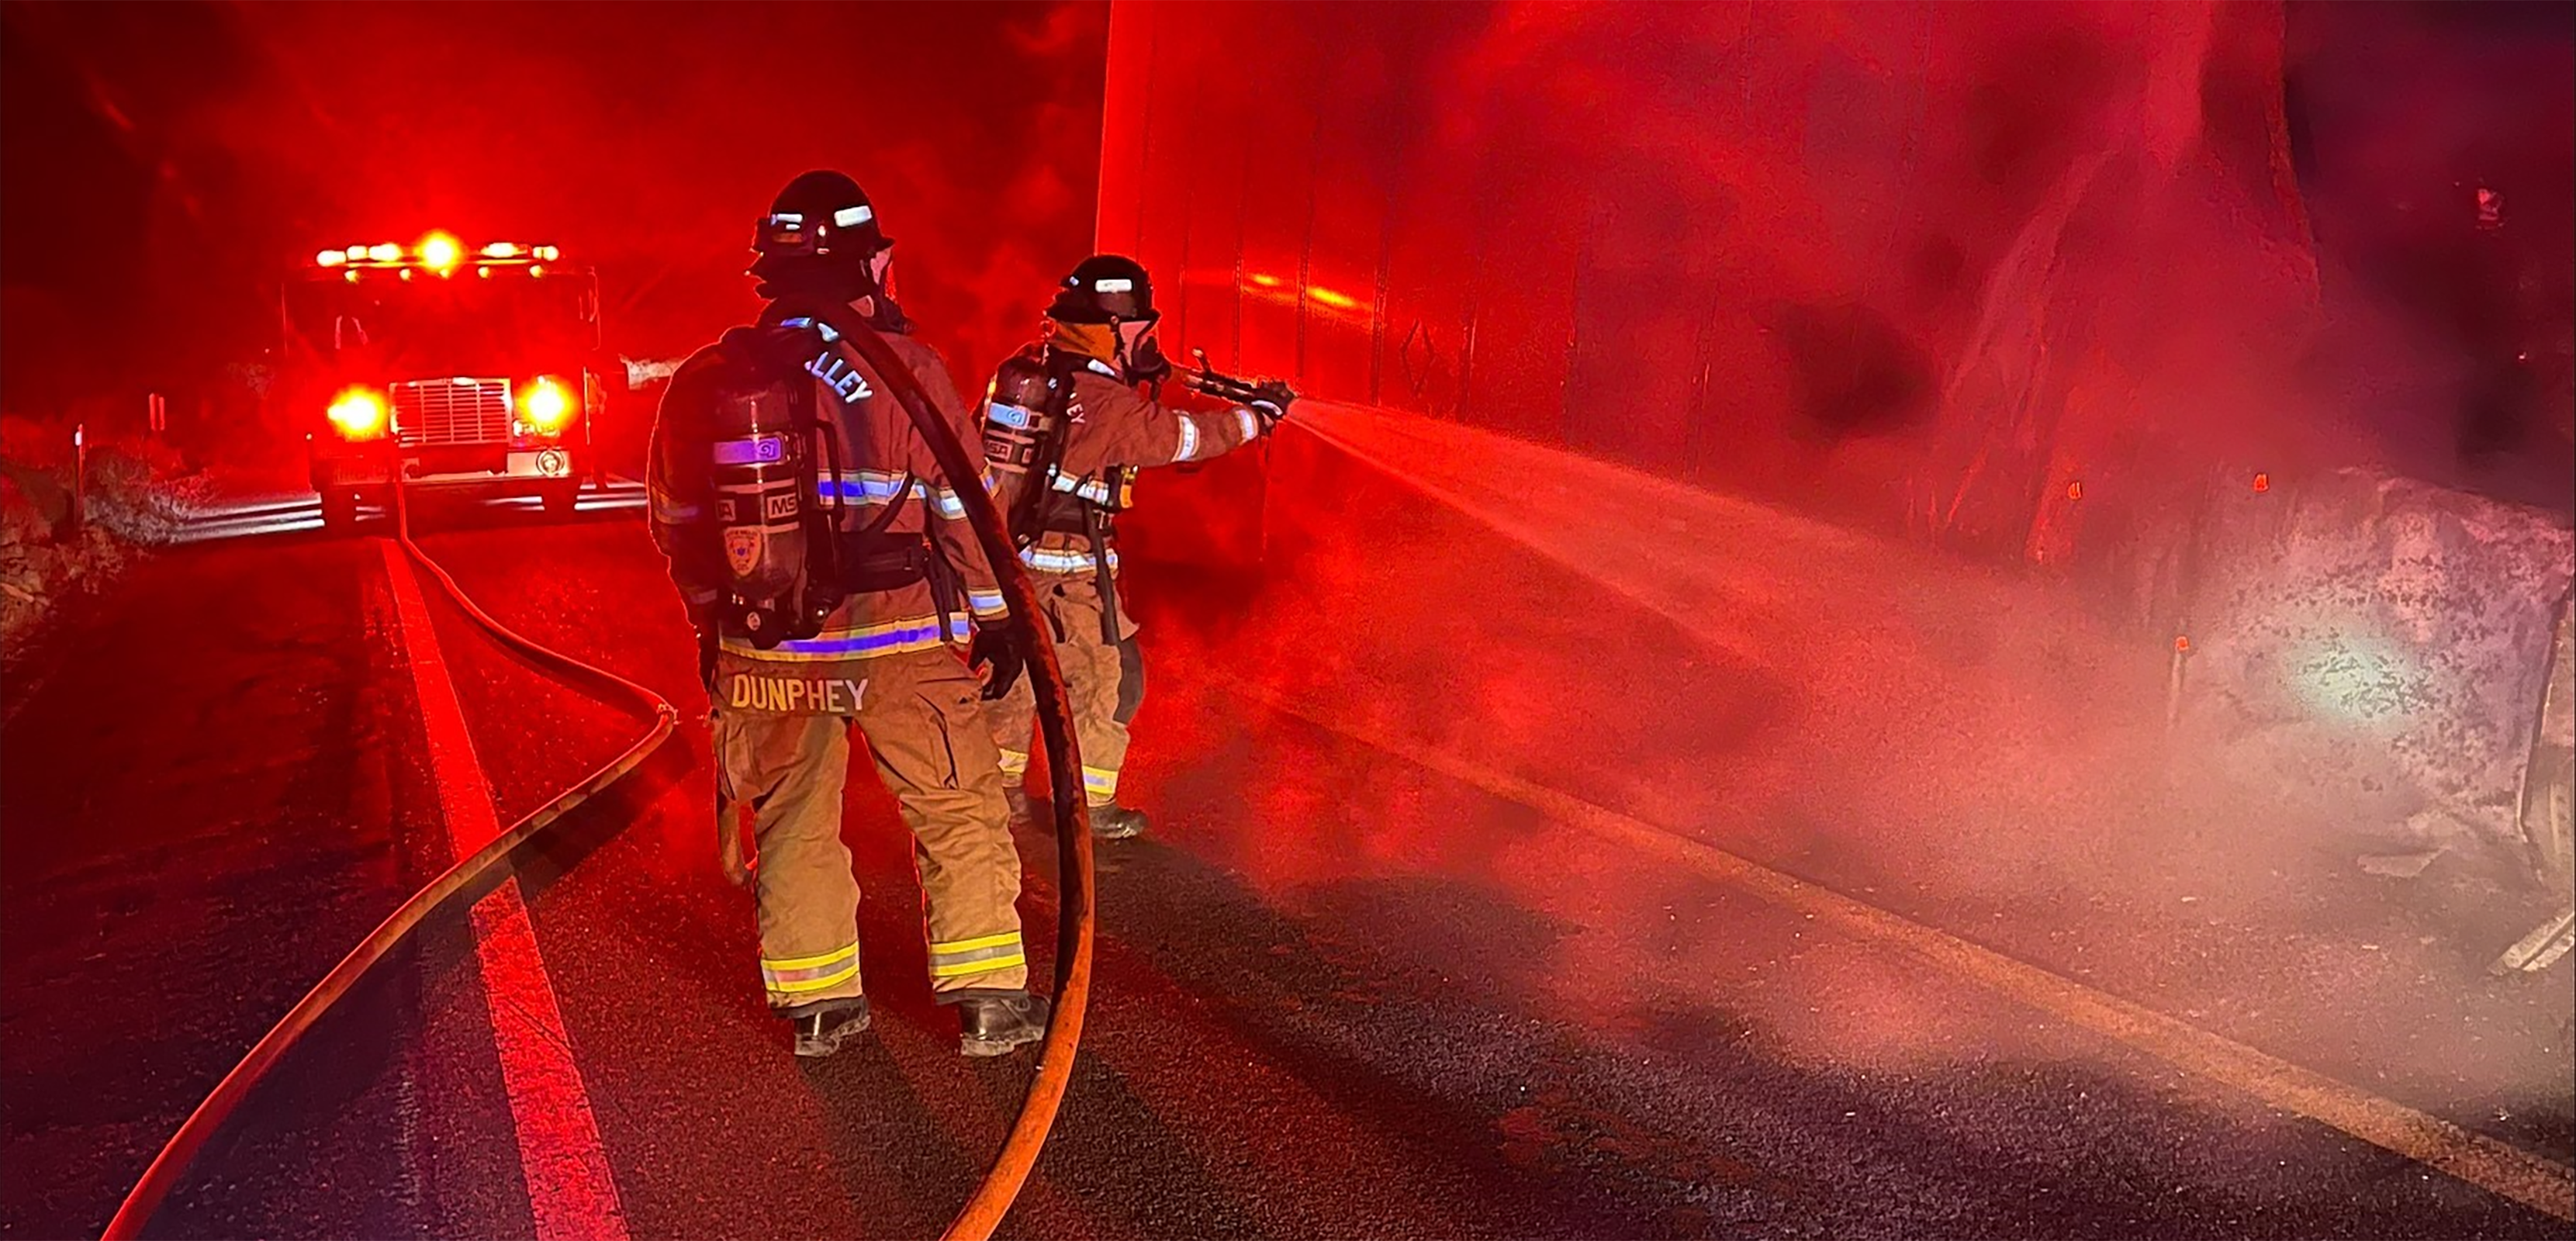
<point>439,253</point>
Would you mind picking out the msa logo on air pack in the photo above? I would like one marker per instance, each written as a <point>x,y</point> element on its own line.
<point>775,506</point>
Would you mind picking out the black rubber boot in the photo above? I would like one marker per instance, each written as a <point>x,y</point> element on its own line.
<point>1117,822</point>
<point>821,1027</point>
<point>994,1023</point>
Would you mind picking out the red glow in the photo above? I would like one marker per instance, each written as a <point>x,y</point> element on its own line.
<point>2262,482</point>
<point>2075,491</point>
<point>1438,257</point>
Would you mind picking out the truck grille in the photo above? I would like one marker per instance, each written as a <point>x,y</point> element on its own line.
<point>452,411</point>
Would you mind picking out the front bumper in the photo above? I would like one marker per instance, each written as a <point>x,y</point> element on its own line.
<point>496,466</point>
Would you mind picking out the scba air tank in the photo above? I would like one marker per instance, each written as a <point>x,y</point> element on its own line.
<point>765,508</point>
<point>1020,412</point>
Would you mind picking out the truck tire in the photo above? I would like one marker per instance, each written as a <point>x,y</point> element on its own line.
<point>340,510</point>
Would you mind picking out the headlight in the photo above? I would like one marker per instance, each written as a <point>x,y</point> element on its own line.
<point>359,414</point>
<point>545,405</point>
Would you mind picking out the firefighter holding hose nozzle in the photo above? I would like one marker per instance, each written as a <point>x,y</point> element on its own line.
<point>832,575</point>
<point>1066,427</point>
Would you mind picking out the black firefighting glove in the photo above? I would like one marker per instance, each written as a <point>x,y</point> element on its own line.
<point>997,648</point>
<point>1271,399</point>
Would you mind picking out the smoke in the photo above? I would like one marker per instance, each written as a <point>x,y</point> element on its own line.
<point>1656,288</point>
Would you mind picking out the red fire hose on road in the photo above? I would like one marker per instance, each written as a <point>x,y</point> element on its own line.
<point>1001,1185</point>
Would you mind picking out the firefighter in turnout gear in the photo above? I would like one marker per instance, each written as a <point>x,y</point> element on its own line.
<point>832,575</point>
<point>1066,428</point>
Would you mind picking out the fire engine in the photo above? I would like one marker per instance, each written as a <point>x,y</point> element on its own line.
<point>448,365</point>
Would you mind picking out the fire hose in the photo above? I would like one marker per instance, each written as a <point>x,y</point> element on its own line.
<point>1001,1185</point>
<point>494,861</point>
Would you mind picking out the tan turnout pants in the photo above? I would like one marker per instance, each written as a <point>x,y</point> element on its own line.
<point>1105,680</point>
<point>920,714</point>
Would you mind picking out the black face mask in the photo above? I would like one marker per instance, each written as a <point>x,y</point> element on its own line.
<point>823,282</point>
<point>839,286</point>
<point>1147,364</point>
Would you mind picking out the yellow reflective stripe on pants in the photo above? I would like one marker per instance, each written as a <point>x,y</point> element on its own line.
<point>982,955</point>
<point>793,974</point>
<point>1099,784</point>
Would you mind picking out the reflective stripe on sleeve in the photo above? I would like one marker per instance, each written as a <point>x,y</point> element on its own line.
<point>861,487</point>
<point>1093,489</point>
<point>1189,438</point>
<point>959,958</point>
<point>986,602</point>
<point>1249,421</point>
<point>1099,784</point>
<point>1014,763</point>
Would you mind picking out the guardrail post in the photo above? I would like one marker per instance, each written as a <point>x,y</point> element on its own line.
<point>80,477</point>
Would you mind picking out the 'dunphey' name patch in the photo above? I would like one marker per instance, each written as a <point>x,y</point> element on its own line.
<point>785,695</point>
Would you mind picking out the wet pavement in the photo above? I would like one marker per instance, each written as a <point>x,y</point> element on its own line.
<point>1355,984</point>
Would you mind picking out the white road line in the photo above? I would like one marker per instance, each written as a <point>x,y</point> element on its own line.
<point>571,1192</point>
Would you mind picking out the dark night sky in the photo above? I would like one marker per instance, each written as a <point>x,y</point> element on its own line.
<point>165,161</point>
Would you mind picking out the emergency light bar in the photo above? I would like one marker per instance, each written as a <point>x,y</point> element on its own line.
<point>437,252</point>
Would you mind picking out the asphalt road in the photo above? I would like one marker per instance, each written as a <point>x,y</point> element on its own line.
<point>1342,990</point>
